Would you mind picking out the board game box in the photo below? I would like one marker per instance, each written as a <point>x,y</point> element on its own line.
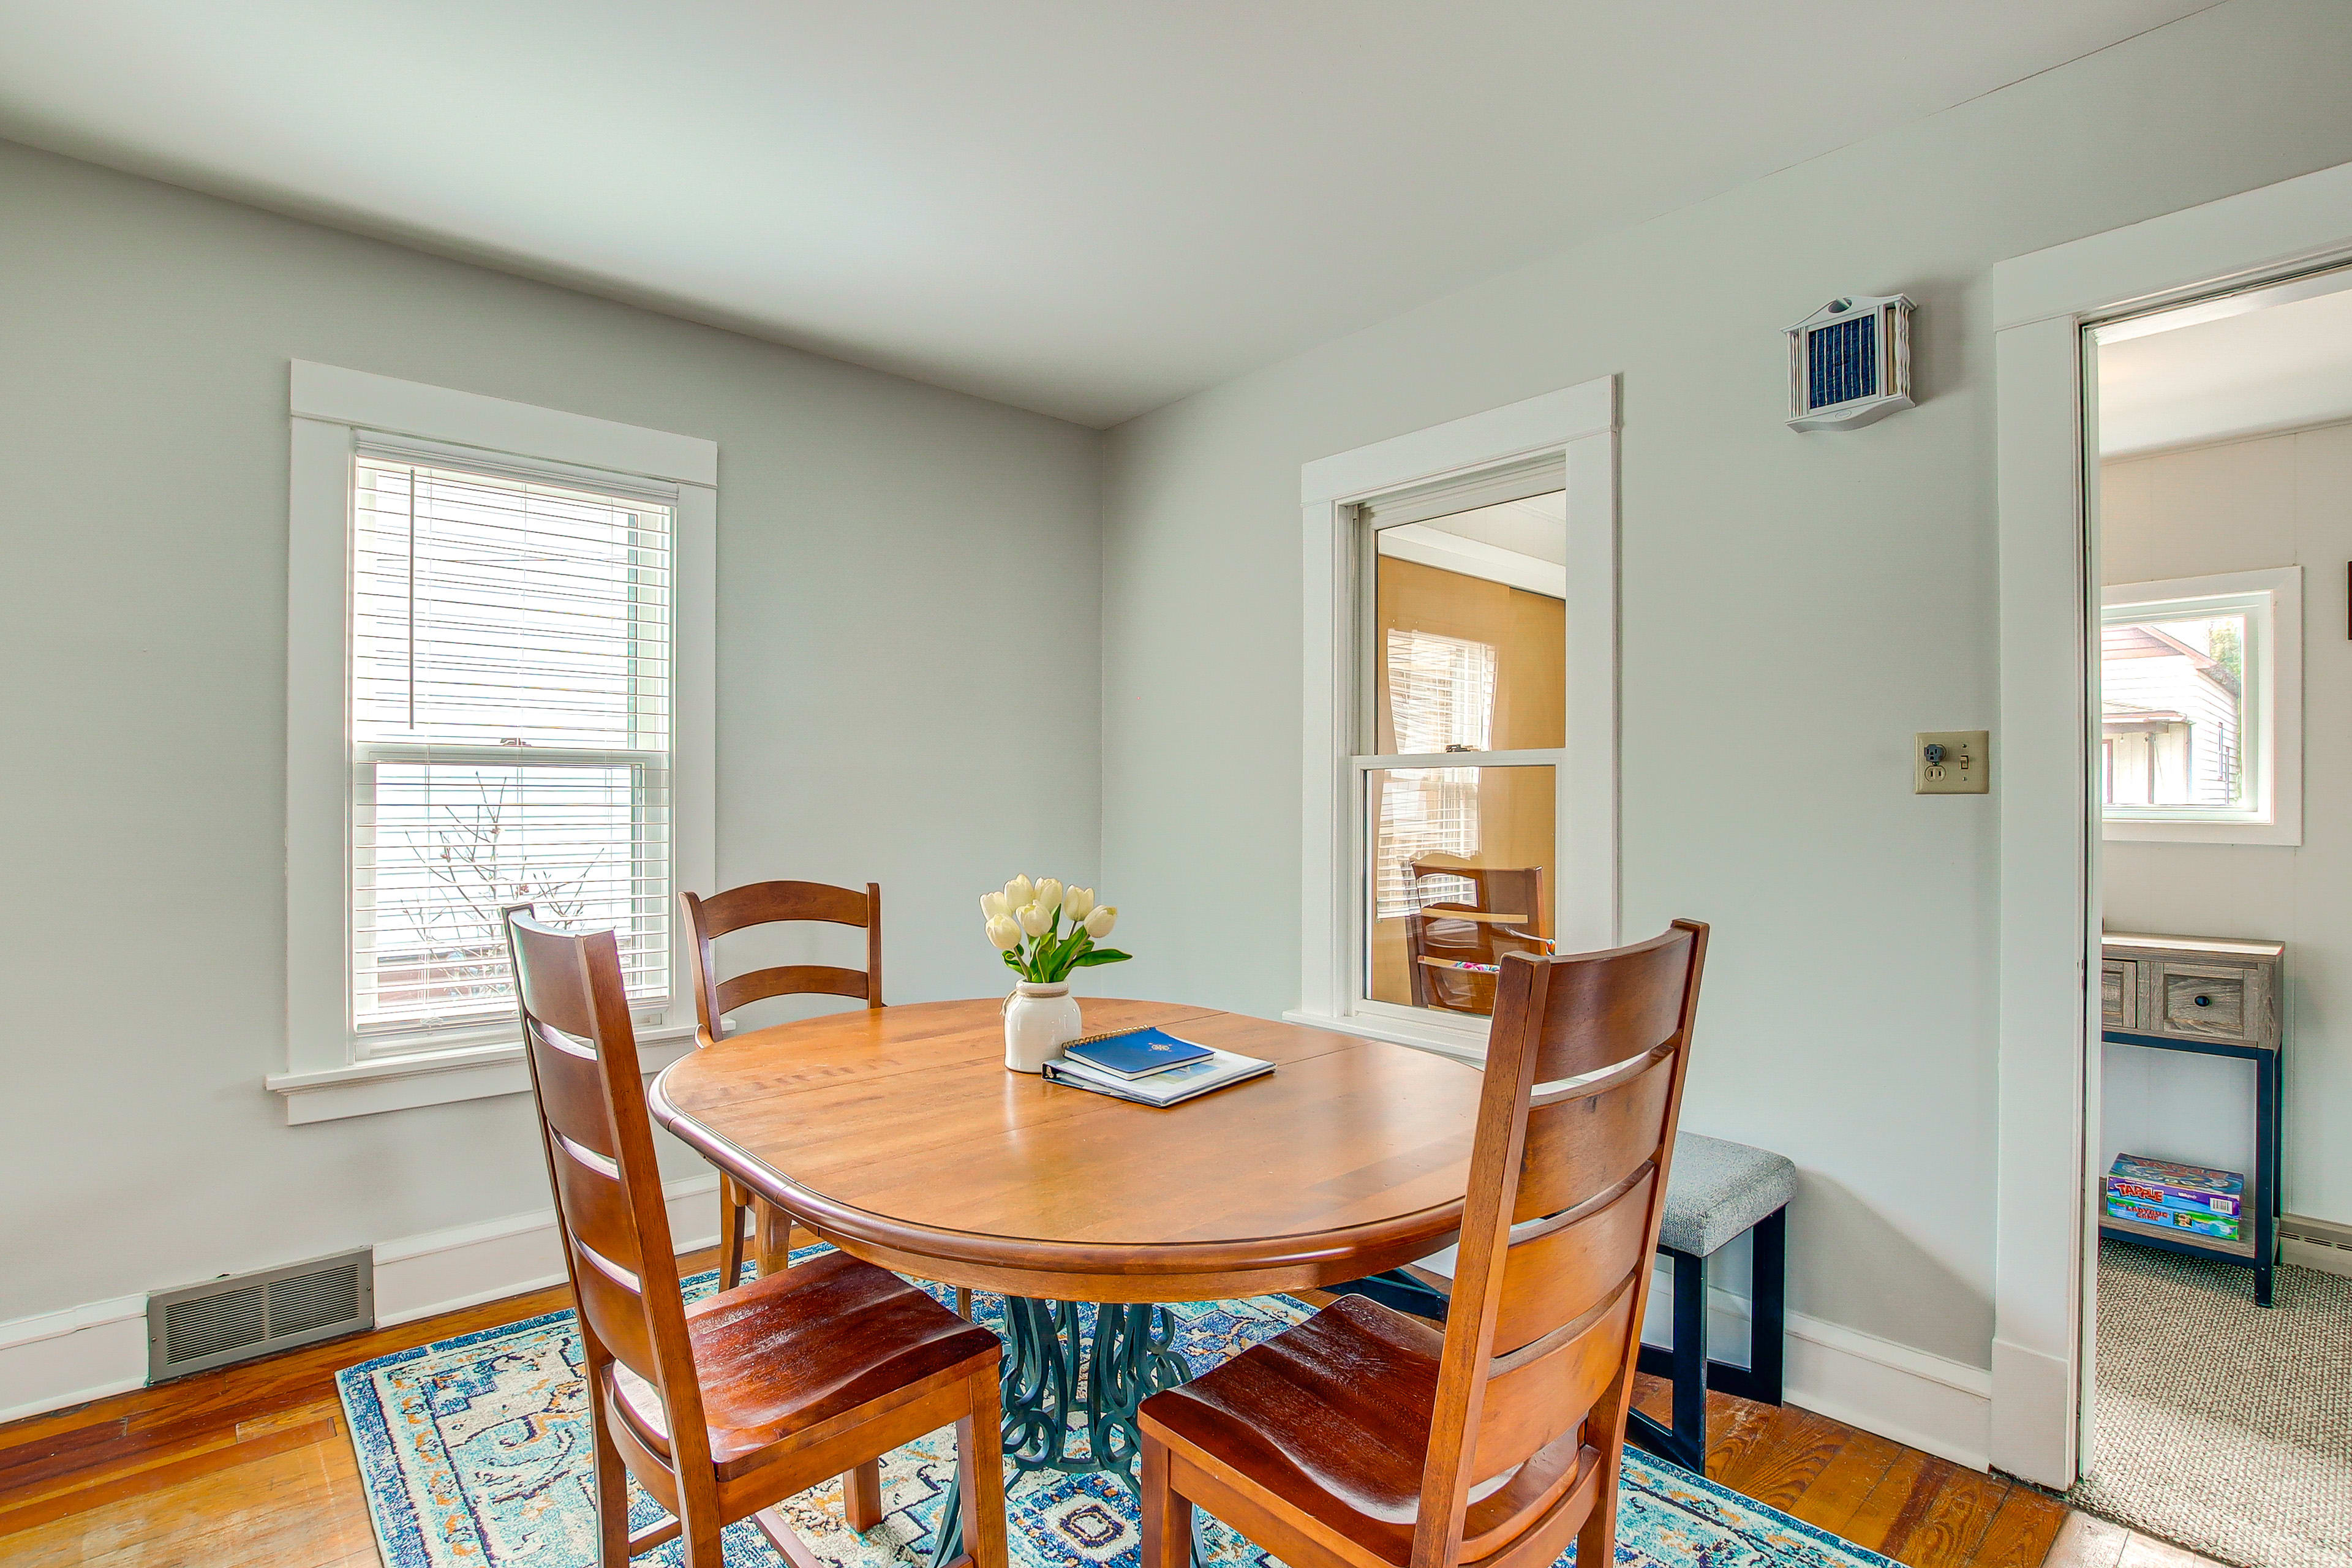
<point>2211,1224</point>
<point>2161,1184</point>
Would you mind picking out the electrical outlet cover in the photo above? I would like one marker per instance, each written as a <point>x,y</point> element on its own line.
<point>1965,767</point>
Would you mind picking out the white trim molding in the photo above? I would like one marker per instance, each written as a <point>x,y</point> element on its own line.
<point>2048,910</point>
<point>471,1072</point>
<point>334,395</point>
<point>57,1359</point>
<point>332,408</point>
<point>1579,424</point>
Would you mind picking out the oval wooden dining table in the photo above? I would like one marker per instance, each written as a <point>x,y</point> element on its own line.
<point>896,1134</point>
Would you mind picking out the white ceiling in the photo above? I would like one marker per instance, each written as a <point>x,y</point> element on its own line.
<point>1089,208</point>
<point>2272,369</point>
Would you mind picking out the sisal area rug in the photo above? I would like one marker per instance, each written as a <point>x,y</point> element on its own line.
<point>474,1453</point>
<point>2224,1426</point>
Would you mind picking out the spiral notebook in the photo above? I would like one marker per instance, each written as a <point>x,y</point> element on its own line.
<point>1218,1070</point>
<point>1135,1053</point>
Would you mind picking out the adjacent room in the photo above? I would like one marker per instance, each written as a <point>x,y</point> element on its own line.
<point>1018,786</point>
<point>2224,438</point>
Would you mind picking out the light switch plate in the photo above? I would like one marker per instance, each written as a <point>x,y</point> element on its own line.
<point>1965,766</point>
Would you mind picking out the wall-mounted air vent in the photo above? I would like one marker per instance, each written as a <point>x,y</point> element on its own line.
<point>1849,364</point>
<point>248,1315</point>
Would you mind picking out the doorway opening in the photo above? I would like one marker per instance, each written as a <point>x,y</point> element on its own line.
<point>2217,1323</point>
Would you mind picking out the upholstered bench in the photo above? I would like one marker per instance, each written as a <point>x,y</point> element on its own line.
<point>1717,1191</point>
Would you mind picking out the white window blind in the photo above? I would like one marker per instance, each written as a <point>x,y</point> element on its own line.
<point>510,722</point>
<point>1441,699</point>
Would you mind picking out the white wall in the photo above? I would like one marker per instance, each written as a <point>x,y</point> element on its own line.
<point>879,542</point>
<point>2277,500</point>
<point>1795,606</point>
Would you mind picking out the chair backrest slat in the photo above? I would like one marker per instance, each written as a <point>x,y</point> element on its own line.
<point>571,1087</point>
<point>767,903</point>
<point>598,1138</point>
<point>1567,1189</point>
<point>1595,1016</point>
<point>1558,1275</point>
<point>789,980</point>
<point>1524,1401</point>
<point>1582,1147</point>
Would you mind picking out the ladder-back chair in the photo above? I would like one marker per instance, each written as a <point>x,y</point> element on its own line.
<point>725,1407</point>
<point>1502,915</point>
<point>1365,1438</point>
<point>769,903</point>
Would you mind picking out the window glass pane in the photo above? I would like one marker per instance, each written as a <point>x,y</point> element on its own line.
<point>1460,873</point>
<point>1469,636</point>
<point>2173,702</point>
<point>491,611</point>
<point>447,845</point>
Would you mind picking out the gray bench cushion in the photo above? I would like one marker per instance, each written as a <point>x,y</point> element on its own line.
<point>1720,1189</point>
<point>1717,1189</point>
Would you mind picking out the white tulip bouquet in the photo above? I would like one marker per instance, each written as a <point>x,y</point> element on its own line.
<point>1024,922</point>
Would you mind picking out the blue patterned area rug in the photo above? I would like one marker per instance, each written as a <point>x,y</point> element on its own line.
<point>474,1453</point>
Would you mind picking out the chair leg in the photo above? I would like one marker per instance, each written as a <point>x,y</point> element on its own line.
<point>1167,1518</point>
<point>731,1237</point>
<point>771,1238</point>
<point>980,1466</point>
<point>861,1495</point>
<point>963,1304</point>
<point>611,1487</point>
<point>1596,1542</point>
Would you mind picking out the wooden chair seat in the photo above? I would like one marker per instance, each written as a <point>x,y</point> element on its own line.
<point>782,1356</point>
<point>1331,1419</point>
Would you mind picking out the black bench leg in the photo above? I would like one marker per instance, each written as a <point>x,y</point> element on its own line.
<point>1684,1443</point>
<point>1768,1316</point>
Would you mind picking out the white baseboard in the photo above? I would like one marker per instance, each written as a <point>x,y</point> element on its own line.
<point>86,1353</point>
<point>1926,1400</point>
<point>418,1275</point>
<point>63,1358</point>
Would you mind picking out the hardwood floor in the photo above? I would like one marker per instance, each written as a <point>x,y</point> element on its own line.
<point>250,1468</point>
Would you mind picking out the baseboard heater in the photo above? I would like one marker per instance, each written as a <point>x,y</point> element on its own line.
<point>238,1317</point>
<point>2298,1231</point>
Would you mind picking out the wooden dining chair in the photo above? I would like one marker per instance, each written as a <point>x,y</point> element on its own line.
<point>725,1407</point>
<point>769,903</point>
<point>1365,1438</point>
<point>1502,914</point>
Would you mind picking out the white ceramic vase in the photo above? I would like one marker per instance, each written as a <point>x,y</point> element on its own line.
<point>1039,1020</point>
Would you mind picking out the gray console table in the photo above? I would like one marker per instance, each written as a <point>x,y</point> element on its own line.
<point>2210,997</point>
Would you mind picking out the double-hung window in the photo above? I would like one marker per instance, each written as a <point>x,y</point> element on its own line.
<point>1461,654</point>
<point>497,692</point>
<point>509,699</point>
<point>2199,698</point>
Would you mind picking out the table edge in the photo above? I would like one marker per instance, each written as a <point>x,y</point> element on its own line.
<point>1381,1244</point>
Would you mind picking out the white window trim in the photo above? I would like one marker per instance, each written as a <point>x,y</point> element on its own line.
<point>1579,423</point>
<point>322,1081</point>
<point>2276,721</point>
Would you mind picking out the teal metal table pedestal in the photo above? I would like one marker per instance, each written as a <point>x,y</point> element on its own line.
<point>1074,1371</point>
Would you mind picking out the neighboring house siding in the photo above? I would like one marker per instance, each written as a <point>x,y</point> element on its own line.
<point>2197,769</point>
